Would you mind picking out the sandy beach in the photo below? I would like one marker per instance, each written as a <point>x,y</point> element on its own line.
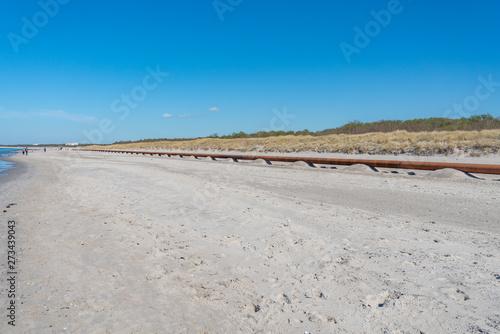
<point>113,243</point>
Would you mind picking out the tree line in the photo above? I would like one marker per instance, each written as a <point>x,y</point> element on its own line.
<point>472,123</point>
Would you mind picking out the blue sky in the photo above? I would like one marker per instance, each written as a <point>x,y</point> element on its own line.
<point>81,71</point>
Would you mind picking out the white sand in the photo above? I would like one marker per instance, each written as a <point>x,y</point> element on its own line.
<point>114,243</point>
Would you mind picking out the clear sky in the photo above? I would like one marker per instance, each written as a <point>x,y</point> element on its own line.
<point>105,71</point>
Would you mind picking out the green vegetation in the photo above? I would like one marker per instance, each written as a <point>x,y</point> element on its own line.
<point>152,140</point>
<point>265,134</point>
<point>473,123</point>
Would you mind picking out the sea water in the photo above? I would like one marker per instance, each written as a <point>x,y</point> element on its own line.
<point>5,165</point>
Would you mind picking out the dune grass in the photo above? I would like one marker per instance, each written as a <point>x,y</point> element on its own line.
<point>397,142</point>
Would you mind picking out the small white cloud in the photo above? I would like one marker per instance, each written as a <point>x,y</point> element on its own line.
<point>64,115</point>
<point>47,113</point>
<point>167,115</point>
<point>12,114</point>
<point>214,109</point>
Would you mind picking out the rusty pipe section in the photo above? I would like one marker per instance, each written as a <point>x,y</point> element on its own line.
<point>466,168</point>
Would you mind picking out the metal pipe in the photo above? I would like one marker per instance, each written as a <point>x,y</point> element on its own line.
<point>466,168</point>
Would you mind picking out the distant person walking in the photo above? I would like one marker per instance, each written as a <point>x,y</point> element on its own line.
<point>44,150</point>
<point>26,151</point>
